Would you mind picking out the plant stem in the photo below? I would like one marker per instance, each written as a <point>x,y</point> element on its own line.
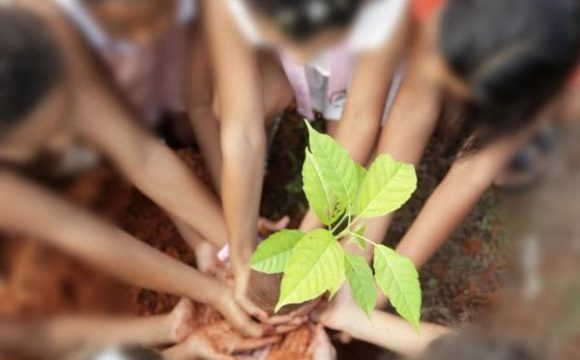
<point>363,238</point>
<point>337,224</point>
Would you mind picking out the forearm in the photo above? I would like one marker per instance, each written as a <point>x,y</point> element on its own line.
<point>451,202</point>
<point>207,131</point>
<point>243,173</point>
<point>72,331</point>
<point>445,210</point>
<point>180,193</point>
<point>393,333</point>
<point>58,336</point>
<point>30,210</point>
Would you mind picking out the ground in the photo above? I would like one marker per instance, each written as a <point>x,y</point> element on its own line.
<point>460,282</point>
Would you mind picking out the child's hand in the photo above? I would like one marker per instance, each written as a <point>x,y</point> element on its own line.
<point>220,342</point>
<point>236,316</point>
<point>321,348</point>
<point>267,227</point>
<point>337,313</point>
<point>182,321</point>
<point>241,283</point>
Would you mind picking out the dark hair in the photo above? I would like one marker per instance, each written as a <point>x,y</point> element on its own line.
<point>301,19</point>
<point>514,55</point>
<point>30,64</point>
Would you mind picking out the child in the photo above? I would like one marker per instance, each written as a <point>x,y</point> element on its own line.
<point>146,47</point>
<point>326,54</point>
<point>144,44</point>
<point>508,74</point>
<point>44,106</point>
<point>79,337</point>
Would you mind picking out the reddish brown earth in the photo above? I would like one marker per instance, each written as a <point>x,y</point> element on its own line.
<point>458,284</point>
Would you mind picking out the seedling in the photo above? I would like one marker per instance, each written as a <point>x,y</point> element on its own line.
<point>344,195</point>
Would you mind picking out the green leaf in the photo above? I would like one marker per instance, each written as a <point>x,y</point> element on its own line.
<point>315,266</point>
<point>321,199</point>
<point>360,279</point>
<point>360,242</point>
<point>361,174</point>
<point>387,186</point>
<point>337,169</point>
<point>272,254</point>
<point>398,279</point>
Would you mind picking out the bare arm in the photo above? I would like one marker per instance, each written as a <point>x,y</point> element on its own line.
<point>243,140</point>
<point>55,337</point>
<point>411,122</point>
<point>393,333</point>
<point>200,101</point>
<point>104,120</point>
<point>30,210</point>
<point>382,329</point>
<point>459,192</point>
<point>361,120</point>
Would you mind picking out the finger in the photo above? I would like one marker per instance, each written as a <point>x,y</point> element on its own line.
<point>306,308</point>
<point>279,319</point>
<point>299,320</point>
<point>255,344</point>
<point>246,326</point>
<point>344,338</point>
<point>285,329</point>
<point>251,308</point>
<point>266,225</point>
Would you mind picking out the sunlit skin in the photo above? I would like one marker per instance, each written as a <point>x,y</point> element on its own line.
<point>140,22</point>
<point>252,90</point>
<point>100,118</point>
<point>46,128</point>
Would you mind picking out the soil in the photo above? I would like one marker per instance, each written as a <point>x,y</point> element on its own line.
<point>458,284</point>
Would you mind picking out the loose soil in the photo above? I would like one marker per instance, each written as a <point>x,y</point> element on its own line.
<point>458,284</point>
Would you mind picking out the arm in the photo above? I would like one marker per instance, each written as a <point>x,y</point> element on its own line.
<point>243,139</point>
<point>412,120</point>
<point>361,121</point>
<point>200,103</point>
<point>60,335</point>
<point>33,211</point>
<point>392,332</point>
<point>104,120</point>
<point>382,329</point>
<point>458,193</point>
<point>28,209</point>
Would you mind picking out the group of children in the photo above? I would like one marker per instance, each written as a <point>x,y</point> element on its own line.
<point>99,74</point>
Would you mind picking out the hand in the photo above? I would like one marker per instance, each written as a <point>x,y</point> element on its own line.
<point>321,348</point>
<point>181,321</point>
<point>267,227</point>
<point>336,314</point>
<point>219,342</point>
<point>205,252</point>
<point>235,315</point>
<point>241,283</point>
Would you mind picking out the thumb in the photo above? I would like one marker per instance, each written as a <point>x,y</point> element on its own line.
<point>266,225</point>
<point>244,325</point>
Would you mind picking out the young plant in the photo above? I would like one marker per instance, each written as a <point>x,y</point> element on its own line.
<point>343,195</point>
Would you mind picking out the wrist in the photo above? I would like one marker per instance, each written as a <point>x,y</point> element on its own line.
<point>241,256</point>
<point>212,290</point>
